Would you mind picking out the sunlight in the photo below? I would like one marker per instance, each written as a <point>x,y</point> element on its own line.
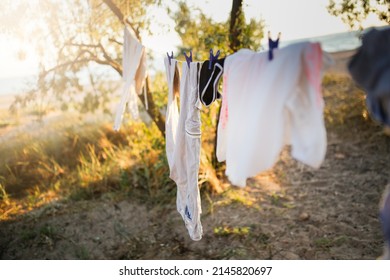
<point>17,50</point>
<point>163,37</point>
<point>22,48</point>
<point>18,60</point>
<point>268,182</point>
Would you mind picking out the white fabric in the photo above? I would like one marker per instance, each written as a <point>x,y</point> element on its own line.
<point>267,104</point>
<point>134,74</point>
<point>172,113</point>
<point>183,146</point>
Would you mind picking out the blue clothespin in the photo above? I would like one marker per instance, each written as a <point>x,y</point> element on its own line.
<point>272,45</point>
<point>188,58</point>
<point>212,57</point>
<point>170,57</point>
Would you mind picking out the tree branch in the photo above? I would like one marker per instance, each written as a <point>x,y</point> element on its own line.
<point>114,8</point>
<point>83,45</point>
<point>69,63</point>
<point>115,41</point>
<point>117,67</point>
<point>153,111</point>
<point>109,60</point>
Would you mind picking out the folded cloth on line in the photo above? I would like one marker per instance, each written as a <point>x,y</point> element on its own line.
<point>267,104</point>
<point>134,74</point>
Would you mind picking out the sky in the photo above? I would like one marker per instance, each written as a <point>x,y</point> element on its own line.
<point>294,19</point>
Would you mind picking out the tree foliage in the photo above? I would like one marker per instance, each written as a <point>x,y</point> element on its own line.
<point>353,12</point>
<point>200,33</point>
<point>79,43</point>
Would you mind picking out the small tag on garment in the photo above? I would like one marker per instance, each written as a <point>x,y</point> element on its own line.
<point>187,212</point>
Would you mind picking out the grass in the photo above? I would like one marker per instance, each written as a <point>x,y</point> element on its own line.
<point>233,231</point>
<point>238,196</point>
<point>328,242</point>
<point>81,162</point>
<point>72,161</point>
<point>3,194</point>
<point>82,253</point>
<point>344,102</point>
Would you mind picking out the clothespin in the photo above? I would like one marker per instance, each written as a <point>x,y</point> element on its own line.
<point>170,57</point>
<point>188,58</point>
<point>272,45</point>
<point>212,57</point>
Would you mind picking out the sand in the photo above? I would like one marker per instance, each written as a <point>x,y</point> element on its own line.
<point>340,61</point>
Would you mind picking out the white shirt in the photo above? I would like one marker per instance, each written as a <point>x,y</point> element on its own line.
<point>267,104</point>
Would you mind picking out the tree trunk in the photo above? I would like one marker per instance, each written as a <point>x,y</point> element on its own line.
<point>157,117</point>
<point>153,111</point>
<point>236,23</point>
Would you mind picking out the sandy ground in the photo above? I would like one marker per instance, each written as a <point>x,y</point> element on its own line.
<point>340,61</point>
<point>5,101</point>
<point>290,212</point>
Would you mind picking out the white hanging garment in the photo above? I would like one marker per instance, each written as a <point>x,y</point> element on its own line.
<point>267,104</point>
<point>172,113</point>
<point>183,143</point>
<point>134,74</point>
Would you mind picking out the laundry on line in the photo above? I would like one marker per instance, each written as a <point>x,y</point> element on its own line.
<point>269,100</point>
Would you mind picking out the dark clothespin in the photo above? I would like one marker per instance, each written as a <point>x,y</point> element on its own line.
<point>170,57</point>
<point>212,57</point>
<point>188,58</point>
<point>272,45</point>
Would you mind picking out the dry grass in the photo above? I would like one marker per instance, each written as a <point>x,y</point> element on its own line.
<point>344,101</point>
<point>79,162</point>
